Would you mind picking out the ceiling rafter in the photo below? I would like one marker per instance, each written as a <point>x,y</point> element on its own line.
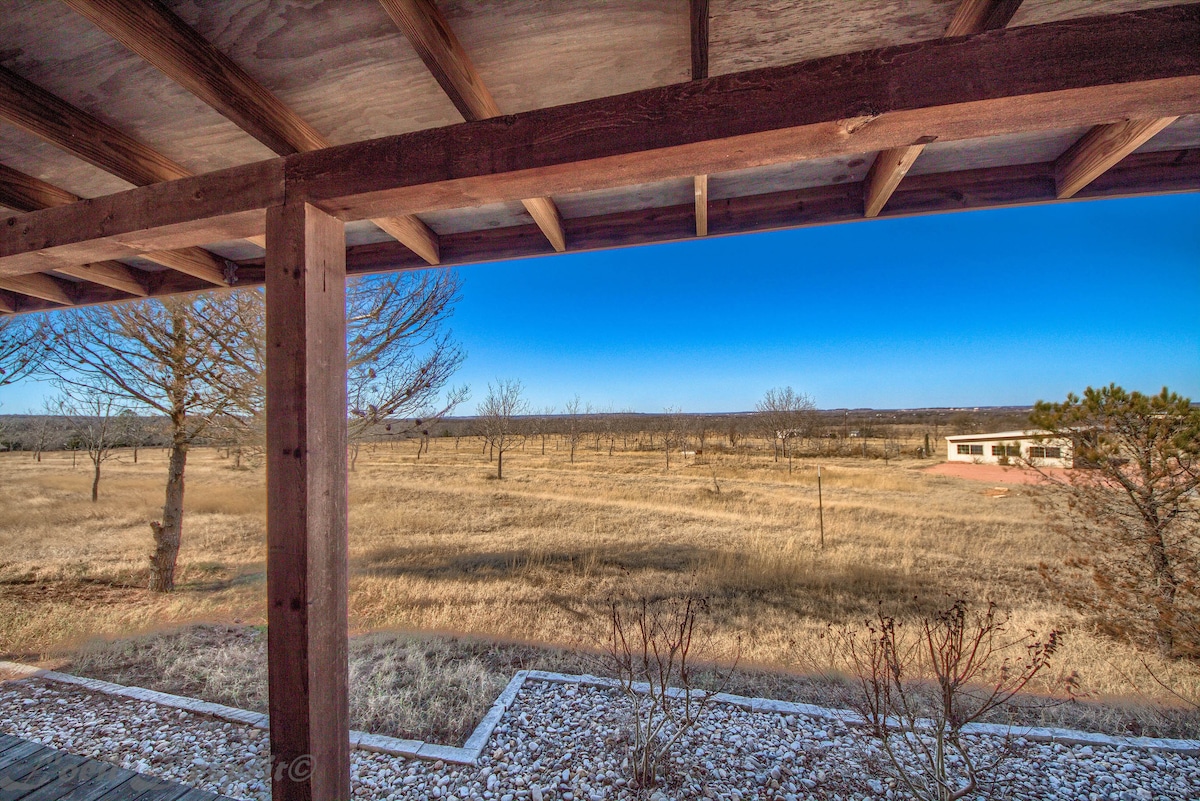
<point>1084,72</point>
<point>27,193</point>
<point>445,57</point>
<point>37,285</point>
<point>977,16</point>
<point>1100,149</point>
<point>152,31</point>
<point>56,121</point>
<point>891,165</point>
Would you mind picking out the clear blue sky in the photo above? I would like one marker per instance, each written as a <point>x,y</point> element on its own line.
<point>970,309</point>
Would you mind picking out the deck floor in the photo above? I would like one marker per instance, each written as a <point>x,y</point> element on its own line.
<point>33,772</point>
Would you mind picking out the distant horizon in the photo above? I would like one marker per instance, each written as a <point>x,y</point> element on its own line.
<point>993,308</point>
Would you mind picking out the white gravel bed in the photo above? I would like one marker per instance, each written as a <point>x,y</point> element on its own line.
<point>566,741</point>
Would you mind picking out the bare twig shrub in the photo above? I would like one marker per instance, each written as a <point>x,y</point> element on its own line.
<point>916,693</point>
<point>650,650</point>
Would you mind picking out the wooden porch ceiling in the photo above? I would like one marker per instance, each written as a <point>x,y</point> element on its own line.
<point>1055,105</point>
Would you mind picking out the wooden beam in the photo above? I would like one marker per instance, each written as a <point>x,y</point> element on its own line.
<point>8,304</point>
<point>1082,71</point>
<point>889,168</point>
<point>34,109</point>
<point>701,185</point>
<point>192,261</point>
<point>445,57</point>
<point>977,16</point>
<point>307,492</point>
<point>111,274</point>
<point>1140,174</point>
<point>414,234</point>
<point>545,213</point>
<point>26,193</point>
<point>1101,148</point>
<point>698,14</point>
<point>1036,77</point>
<point>39,286</point>
<point>154,32</point>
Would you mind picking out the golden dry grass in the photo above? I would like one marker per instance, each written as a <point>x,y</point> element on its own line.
<point>438,545</point>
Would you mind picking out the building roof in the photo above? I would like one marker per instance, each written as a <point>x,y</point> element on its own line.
<point>585,126</point>
<point>1007,436</point>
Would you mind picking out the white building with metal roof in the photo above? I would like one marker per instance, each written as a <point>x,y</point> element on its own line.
<point>1011,448</point>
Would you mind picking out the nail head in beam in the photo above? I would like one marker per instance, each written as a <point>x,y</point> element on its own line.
<point>1098,150</point>
<point>444,56</point>
<point>112,274</point>
<point>24,193</point>
<point>701,183</point>
<point>38,286</point>
<point>195,262</point>
<point>42,114</point>
<point>414,234</point>
<point>886,173</point>
<point>152,31</point>
<point>545,213</point>
<point>977,16</point>
<point>307,492</point>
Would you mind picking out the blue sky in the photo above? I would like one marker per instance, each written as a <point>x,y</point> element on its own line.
<point>970,309</point>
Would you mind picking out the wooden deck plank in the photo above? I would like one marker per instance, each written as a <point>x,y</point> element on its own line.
<point>20,752</point>
<point>34,772</point>
<point>20,779</point>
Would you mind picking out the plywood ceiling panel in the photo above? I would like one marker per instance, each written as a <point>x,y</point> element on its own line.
<point>55,48</point>
<point>539,53</point>
<point>655,195</point>
<point>747,34</point>
<point>1036,12</point>
<point>1182,134</point>
<point>784,177</point>
<point>26,153</point>
<point>342,65</point>
<point>478,218</point>
<point>996,151</point>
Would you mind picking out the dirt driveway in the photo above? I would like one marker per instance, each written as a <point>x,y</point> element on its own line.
<point>993,473</point>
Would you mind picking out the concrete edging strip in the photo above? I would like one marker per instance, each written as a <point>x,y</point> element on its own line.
<point>478,740</point>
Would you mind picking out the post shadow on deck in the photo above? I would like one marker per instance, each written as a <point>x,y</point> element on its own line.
<point>307,504</point>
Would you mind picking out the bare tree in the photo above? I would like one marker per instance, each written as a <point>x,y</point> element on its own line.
<point>192,360</point>
<point>1131,503</point>
<point>22,347</point>
<point>785,416</point>
<point>574,414</point>
<point>499,418</point>
<point>92,423</point>
<point>673,427</point>
<point>399,354</point>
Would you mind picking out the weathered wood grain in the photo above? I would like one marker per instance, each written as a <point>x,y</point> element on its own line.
<point>30,107</point>
<point>27,193</point>
<point>977,16</point>
<point>698,17</point>
<point>40,286</point>
<point>886,172</point>
<point>434,40</point>
<point>1078,72</point>
<point>307,493</point>
<point>1100,148</point>
<point>152,31</point>
<point>111,274</point>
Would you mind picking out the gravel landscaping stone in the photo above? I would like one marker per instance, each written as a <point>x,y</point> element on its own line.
<point>567,742</point>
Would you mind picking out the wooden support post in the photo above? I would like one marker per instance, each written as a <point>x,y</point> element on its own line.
<point>307,504</point>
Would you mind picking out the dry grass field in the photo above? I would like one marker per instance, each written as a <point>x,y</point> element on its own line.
<point>438,546</point>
